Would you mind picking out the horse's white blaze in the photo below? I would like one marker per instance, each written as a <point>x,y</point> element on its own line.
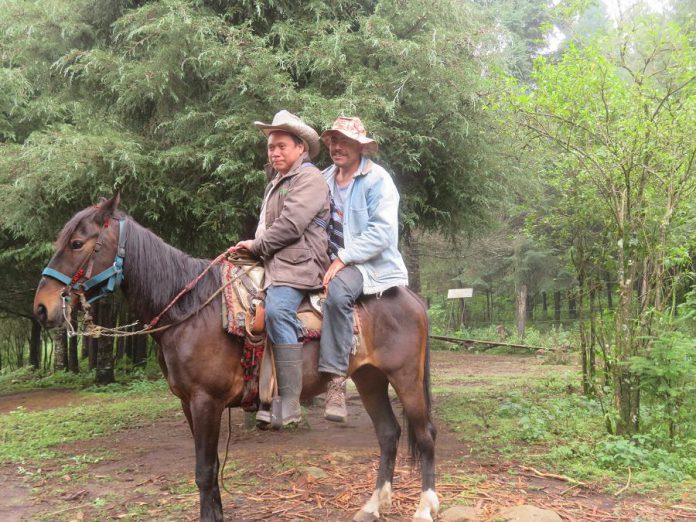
<point>428,507</point>
<point>381,499</point>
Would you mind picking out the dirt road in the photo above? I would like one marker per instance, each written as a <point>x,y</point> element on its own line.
<point>321,473</point>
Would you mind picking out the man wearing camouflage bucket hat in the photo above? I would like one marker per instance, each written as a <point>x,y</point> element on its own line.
<point>363,244</point>
<point>292,243</point>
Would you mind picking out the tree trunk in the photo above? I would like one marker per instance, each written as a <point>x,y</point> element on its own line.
<point>582,329</point>
<point>572,308</point>
<point>521,310</point>
<point>73,359</point>
<point>557,306</point>
<point>104,345</point>
<point>626,383</point>
<point>412,261</point>
<point>489,316</point>
<point>593,334</point>
<point>530,307</point>
<point>121,343</point>
<point>139,343</point>
<point>91,352</point>
<point>35,345</point>
<point>610,289</point>
<point>544,306</point>
<point>60,353</point>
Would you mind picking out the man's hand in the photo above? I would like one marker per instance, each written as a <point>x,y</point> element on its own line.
<point>243,245</point>
<point>335,267</point>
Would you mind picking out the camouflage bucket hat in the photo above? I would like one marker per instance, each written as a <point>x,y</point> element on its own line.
<point>353,129</point>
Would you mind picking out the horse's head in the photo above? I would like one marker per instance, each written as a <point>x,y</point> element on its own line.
<point>88,258</point>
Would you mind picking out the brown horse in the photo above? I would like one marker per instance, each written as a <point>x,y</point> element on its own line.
<point>201,362</point>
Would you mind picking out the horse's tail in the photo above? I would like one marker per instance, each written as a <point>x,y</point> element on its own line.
<point>413,448</point>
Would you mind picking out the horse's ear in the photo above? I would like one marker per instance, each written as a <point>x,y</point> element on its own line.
<point>108,207</point>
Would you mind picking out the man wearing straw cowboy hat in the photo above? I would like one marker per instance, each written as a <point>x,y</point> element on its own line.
<point>293,245</point>
<point>364,247</point>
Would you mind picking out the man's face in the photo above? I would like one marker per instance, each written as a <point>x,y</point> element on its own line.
<point>345,153</point>
<point>283,151</point>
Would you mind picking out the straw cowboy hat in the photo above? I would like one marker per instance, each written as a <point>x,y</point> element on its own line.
<point>287,122</point>
<point>353,129</point>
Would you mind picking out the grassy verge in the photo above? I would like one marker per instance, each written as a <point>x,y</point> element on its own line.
<point>543,421</point>
<point>27,436</point>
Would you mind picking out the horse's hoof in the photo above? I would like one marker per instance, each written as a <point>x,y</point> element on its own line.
<point>364,516</point>
<point>263,426</point>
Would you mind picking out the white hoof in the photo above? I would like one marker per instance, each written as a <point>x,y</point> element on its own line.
<point>380,499</point>
<point>364,516</point>
<point>428,507</point>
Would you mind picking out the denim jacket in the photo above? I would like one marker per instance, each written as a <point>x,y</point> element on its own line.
<point>371,227</point>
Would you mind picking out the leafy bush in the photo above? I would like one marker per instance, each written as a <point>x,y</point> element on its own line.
<point>667,374</point>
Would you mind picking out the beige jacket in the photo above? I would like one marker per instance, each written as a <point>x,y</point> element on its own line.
<point>294,248</point>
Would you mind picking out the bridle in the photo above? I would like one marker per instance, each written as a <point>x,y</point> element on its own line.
<point>82,281</point>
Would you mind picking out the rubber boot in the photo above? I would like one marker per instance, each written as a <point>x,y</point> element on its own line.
<point>288,363</point>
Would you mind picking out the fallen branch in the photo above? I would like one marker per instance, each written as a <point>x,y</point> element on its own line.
<point>553,475</point>
<point>569,489</point>
<point>491,343</point>
<point>681,506</point>
<point>71,508</point>
<point>628,483</point>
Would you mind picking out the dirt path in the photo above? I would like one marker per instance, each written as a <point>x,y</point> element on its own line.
<point>322,473</point>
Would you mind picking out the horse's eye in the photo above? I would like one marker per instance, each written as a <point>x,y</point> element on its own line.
<point>76,244</point>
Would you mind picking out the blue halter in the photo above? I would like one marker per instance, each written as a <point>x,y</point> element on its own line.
<point>108,279</point>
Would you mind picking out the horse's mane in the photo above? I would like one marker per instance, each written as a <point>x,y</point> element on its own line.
<point>154,272</point>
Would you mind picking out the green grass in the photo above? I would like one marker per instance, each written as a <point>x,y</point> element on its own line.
<point>544,422</point>
<point>27,378</point>
<point>27,436</point>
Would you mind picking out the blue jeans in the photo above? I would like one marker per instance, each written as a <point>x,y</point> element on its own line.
<point>337,325</point>
<point>282,323</point>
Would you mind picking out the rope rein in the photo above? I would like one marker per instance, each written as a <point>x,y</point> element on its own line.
<point>94,330</point>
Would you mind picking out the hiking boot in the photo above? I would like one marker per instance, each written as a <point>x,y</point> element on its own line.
<point>335,409</point>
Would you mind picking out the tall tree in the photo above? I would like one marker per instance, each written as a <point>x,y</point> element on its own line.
<point>621,108</point>
<point>158,99</point>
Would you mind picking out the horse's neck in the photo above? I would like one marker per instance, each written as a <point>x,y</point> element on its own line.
<point>154,273</point>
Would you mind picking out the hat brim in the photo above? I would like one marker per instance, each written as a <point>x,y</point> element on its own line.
<point>368,144</point>
<point>306,133</point>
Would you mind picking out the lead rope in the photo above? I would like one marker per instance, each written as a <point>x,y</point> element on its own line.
<point>227,451</point>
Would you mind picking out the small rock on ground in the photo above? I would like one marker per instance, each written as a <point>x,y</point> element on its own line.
<point>529,514</point>
<point>314,472</point>
<point>460,514</point>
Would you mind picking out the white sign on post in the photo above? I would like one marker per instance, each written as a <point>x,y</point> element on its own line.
<point>458,293</point>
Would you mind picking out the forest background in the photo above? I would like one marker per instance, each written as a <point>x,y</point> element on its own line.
<point>544,154</point>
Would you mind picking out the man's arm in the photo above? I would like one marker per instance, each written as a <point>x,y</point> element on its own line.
<point>382,226</point>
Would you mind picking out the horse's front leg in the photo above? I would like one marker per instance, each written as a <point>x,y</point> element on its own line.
<point>205,415</point>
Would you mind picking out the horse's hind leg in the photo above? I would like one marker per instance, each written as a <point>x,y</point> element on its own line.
<point>205,417</point>
<point>373,388</point>
<point>421,441</point>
